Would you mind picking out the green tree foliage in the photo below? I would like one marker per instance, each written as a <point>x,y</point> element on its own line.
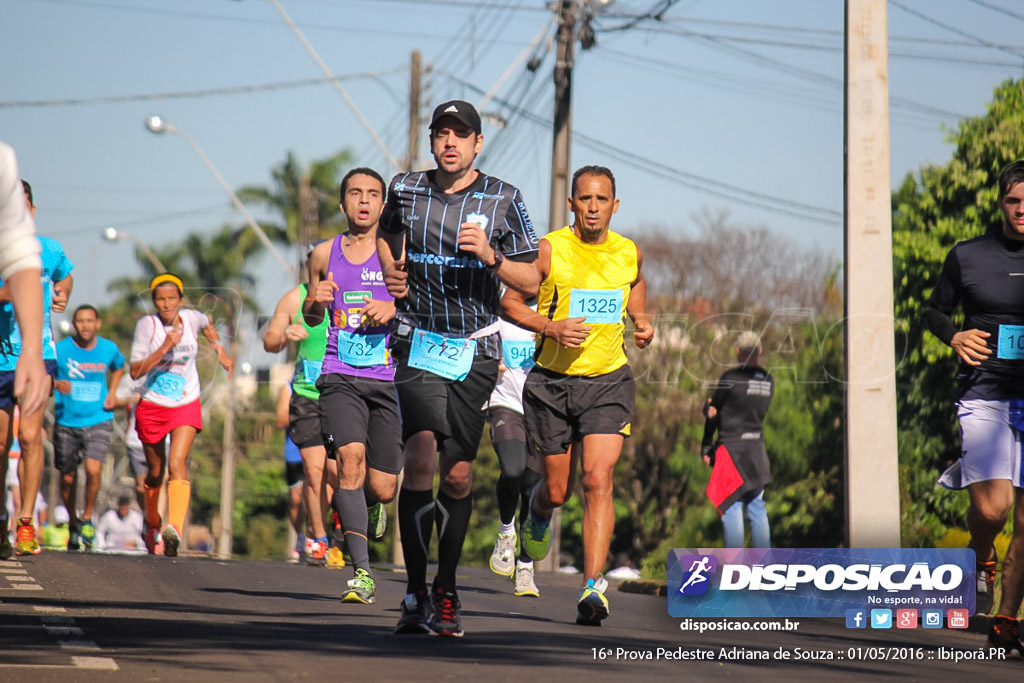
<point>933,209</point>
<point>282,198</point>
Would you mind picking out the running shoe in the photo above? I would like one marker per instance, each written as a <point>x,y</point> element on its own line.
<point>1005,635</point>
<point>503,559</point>
<point>361,588</point>
<point>444,614</point>
<point>6,549</point>
<point>74,537</point>
<point>88,533</point>
<point>592,607</point>
<point>150,536</point>
<point>293,556</point>
<point>377,517</point>
<point>525,586</point>
<point>987,573</point>
<point>536,537</point>
<point>172,539</point>
<point>335,558</point>
<point>26,542</point>
<point>415,614</point>
<point>317,555</point>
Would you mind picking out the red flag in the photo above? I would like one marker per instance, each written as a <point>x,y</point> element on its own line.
<point>725,479</point>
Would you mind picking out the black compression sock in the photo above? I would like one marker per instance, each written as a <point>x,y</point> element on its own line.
<point>415,518</point>
<point>452,524</point>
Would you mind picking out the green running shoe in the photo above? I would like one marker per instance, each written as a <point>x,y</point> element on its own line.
<point>88,535</point>
<point>377,520</point>
<point>536,537</point>
<point>361,588</point>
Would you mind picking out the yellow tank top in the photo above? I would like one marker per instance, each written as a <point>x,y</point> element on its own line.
<point>599,273</point>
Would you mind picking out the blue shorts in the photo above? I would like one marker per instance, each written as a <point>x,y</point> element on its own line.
<point>7,383</point>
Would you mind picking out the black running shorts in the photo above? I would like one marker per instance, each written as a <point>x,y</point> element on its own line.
<point>361,410</point>
<point>304,421</point>
<point>453,410</point>
<point>560,410</point>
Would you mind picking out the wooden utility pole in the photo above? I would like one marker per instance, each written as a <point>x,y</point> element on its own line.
<point>558,215</point>
<point>415,76</point>
<point>415,79</point>
<point>872,479</point>
<point>309,222</point>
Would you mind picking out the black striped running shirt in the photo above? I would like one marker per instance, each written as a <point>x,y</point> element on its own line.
<point>451,292</point>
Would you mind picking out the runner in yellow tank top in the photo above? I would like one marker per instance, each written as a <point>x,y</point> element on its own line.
<point>592,281</point>
<point>578,401</point>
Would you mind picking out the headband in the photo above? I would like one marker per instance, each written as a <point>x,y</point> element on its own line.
<point>164,279</point>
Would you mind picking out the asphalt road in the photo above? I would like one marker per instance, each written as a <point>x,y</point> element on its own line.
<point>81,617</point>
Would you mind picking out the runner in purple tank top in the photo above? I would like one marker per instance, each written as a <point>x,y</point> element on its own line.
<point>358,404</point>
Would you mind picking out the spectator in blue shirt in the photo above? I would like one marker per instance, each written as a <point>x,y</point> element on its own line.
<point>85,399</point>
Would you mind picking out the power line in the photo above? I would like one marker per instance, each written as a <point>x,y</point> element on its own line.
<point>838,49</point>
<point>143,221</point>
<point>187,94</point>
<point>362,30</point>
<point>685,178</point>
<point>997,8</point>
<point>779,28</point>
<point>952,29</point>
<point>763,60</point>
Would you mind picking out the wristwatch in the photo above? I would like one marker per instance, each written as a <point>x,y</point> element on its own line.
<point>499,258</point>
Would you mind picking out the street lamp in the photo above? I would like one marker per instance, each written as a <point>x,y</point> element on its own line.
<point>112,234</point>
<point>158,125</point>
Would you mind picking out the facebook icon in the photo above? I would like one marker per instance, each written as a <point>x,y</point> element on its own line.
<point>856,618</point>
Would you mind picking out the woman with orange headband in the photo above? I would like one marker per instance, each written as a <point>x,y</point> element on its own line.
<point>164,353</point>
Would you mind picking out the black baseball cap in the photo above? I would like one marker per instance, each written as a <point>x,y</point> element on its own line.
<point>459,109</point>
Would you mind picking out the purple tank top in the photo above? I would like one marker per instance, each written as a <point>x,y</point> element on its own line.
<point>353,349</point>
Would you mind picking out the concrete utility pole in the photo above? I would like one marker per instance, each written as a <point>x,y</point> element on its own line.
<point>227,484</point>
<point>872,481</point>
<point>415,76</point>
<point>558,215</point>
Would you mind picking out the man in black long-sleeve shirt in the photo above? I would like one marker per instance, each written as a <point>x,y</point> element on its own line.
<point>986,276</point>
<point>736,411</point>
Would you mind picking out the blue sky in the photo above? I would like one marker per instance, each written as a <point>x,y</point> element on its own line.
<point>721,102</point>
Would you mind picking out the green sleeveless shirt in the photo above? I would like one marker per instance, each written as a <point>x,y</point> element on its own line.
<point>310,354</point>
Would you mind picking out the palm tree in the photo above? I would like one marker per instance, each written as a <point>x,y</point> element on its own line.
<point>285,198</point>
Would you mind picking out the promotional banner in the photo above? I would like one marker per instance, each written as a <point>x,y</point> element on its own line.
<point>820,582</point>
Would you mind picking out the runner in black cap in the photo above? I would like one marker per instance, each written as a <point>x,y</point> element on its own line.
<point>448,239</point>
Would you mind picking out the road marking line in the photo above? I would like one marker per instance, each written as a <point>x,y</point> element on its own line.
<point>53,609</point>
<point>27,587</point>
<point>87,663</point>
<point>87,645</point>
<point>95,663</point>
<point>57,620</point>
<point>64,631</point>
<point>13,570</point>
<point>20,577</point>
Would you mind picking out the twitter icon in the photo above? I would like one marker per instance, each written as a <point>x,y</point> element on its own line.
<point>881,618</point>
